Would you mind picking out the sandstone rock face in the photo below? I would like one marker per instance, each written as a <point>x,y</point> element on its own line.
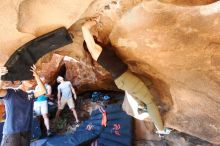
<point>84,76</point>
<point>174,49</point>
<point>51,69</point>
<point>180,46</point>
<point>23,20</point>
<point>39,16</point>
<point>88,77</point>
<point>150,138</point>
<point>10,37</point>
<point>189,2</point>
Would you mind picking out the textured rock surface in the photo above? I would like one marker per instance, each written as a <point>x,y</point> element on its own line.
<point>180,46</point>
<point>176,48</point>
<point>189,2</point>
<point>83,75</point>
<point>10,37</point>
<point>39,16</point>
<point>86,77</point>
<point>150,138</point>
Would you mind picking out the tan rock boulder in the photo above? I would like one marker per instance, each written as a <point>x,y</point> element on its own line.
<point>174,49</point>
<point>10,37</point>
<point>180,46</point>
<point>88,77</point>
<point>23,20</point>
<point>40,16</point>
<point>84,76</point>
<point>189,2</point>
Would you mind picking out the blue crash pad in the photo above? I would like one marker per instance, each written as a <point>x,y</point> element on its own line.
<point>1,129</point>
<point>118,132</point>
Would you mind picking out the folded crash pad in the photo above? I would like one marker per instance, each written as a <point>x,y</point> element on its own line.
<point>20,62</point>
<point>88,131</point>
<point>119,130</point>
<point>1,129</point>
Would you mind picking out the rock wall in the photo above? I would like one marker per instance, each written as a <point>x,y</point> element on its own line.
<point>172,44</point>
<point>150,138</point>
<point>84,76</point>
<point>180,46</point>
<point>189,2</point>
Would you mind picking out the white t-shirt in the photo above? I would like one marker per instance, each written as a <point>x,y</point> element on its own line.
<point>65,89</point>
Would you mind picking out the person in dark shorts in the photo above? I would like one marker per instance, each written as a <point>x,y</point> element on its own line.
<point>19,110</point>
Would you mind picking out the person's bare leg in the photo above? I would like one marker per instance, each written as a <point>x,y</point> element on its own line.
<point>75,114</point>
<point>46,121</point>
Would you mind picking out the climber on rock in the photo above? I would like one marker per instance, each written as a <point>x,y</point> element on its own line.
<point>19,110</point>
<point>101,50</point>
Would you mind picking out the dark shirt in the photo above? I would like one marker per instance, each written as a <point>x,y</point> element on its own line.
<point>19,111</point>
<point>111,62</point>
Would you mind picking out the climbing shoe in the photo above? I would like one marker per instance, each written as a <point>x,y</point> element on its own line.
<point>49,133</point>
<point>142,109</point>
<point>166,131</point>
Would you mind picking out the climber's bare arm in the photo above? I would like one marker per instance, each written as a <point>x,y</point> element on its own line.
<point>94,49</point>
<point>42,89</point>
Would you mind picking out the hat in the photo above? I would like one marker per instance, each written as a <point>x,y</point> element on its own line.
<point>59,78</point>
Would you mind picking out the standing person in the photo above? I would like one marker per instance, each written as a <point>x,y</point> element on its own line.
<point>19,110</point>
<point>102,52</point>
<point>41,105</point>
<point>66,89</point>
